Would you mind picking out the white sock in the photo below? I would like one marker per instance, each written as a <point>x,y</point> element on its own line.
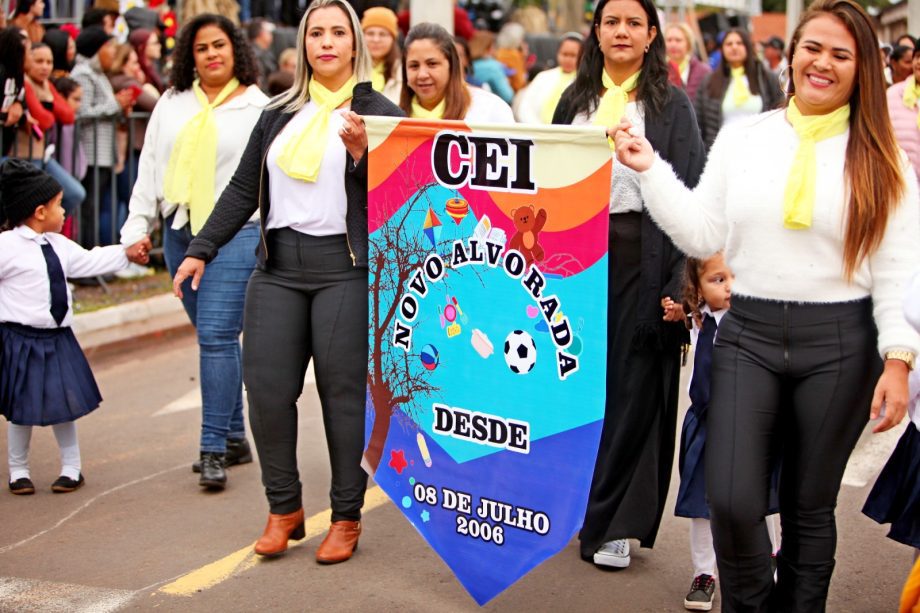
<point>702,553</point>
<point>66,435</point>
<point>773,529</point>
<point>18,439</point>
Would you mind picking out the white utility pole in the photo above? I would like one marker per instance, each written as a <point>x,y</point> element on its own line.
<point>440,12</point>
<point>913,17</point>
<point>793,13</point>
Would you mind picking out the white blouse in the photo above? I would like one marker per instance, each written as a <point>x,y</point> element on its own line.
<point>625,195</point>
<point>25,290</point>
<point>316,208</point>
<point>731,112</point>
<point>738,206</point>
<point>486,107</point>
<point>235,120</point>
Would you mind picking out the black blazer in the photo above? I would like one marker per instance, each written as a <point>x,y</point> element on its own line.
<point>248,189</point>
<point>676,138</point>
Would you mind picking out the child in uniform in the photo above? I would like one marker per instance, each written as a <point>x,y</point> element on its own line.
<point>45,379</point>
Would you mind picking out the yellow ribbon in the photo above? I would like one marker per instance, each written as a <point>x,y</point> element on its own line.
<point>379,77</point>
<point>420,112</point>
<point>799,199</point>
<point>192,162</point>
<point>912,95</point>
<point>742,93</point>
<point>303,153</point>
<point>563,80</point>
<point>613,103</point>
<point>682,68</point>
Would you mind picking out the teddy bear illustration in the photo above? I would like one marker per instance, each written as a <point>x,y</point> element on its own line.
<point>528,224</point>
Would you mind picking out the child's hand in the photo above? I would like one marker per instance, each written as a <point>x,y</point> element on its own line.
<point>673,311</point>
<point>139,252</point>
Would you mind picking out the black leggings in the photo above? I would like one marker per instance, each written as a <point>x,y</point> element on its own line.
<point>794,379</point>
<point>308,302</point>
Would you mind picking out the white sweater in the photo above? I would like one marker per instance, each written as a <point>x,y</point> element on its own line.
<point>235,120</point>
<point>738,206</point>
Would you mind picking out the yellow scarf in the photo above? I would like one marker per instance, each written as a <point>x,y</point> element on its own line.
<point>682,68</point>
<point>912,95</point>
<point>303,153</point>
<point>613,104</point>
<point>420,112</point>
<point>379,77</point>
<point>563,80</point>
<point>192,163</point>
<point>799,200</point>
<point>742,93</point>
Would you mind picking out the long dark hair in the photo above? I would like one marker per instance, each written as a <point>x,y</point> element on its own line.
<point>457,97</point>
<point>653,90</point>
<point>722,76</point>
<point>183,71</point>
<point>873,162</point>
<point>13,54</point>
<point>23,7</point>
<point>57,40</point>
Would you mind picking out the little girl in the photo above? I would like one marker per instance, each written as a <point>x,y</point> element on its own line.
<point>707,293</point>
<point>895,497</point>
<point>44,377</point>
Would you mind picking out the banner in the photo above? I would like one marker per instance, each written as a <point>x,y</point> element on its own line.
<point>487,336</point>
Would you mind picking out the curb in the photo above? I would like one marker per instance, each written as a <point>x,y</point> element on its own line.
<point>125,322</point>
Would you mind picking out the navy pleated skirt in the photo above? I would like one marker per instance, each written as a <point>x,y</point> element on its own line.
<point>44,376</point>
<point>895,497</point>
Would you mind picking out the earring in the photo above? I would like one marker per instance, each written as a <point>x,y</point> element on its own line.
<point>646,48</point>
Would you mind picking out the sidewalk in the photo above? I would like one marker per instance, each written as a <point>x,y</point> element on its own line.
<point>148,317</point>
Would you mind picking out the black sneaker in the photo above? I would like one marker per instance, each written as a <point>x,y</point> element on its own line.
<point>213,475</point>
<point>238,452</point>
<point>64,485</point>
<point>701,593</point>
<point>22,487</point>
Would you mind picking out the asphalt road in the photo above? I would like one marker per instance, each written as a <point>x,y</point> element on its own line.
<point>129,539</point>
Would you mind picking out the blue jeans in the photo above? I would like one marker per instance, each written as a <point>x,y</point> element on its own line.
<point>74,193</point>
<point>216,311</point>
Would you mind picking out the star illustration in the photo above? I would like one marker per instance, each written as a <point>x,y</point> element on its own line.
<point>426,516</point>
<point>398,460</point>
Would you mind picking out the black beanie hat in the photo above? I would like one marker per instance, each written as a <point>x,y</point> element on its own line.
<point>90,41</point>
<point>23,188</point>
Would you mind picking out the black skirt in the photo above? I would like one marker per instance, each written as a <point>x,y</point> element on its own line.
<point>633,468</point>
<point>895,497</point>
<point>44,376</point>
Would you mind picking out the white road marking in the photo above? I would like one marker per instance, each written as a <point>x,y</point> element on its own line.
<point>27,595</point>
<point>870,456</point>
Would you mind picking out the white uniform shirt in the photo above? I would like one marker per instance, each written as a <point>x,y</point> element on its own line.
<point>235,120</point>
<point>731,112</point>
<point>487,108</point>
<point>316,208</point>
<point>25,290</point>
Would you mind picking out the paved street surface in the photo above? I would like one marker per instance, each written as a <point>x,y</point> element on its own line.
<point>141,535</point>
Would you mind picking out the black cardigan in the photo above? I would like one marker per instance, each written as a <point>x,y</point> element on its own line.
<point>247,191</point>
<point>674,135</point>
<point>709,108</point>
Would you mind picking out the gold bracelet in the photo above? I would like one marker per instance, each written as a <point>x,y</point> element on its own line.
<point>905,356</point>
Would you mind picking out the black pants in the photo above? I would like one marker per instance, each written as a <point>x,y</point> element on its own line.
<point>798,377</point>
<point>309,301</point>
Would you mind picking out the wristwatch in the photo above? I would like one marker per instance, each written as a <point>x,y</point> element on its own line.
<point>905,356</point>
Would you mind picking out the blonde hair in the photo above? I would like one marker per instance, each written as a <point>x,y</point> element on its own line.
<point>688,34</point>
<point>295,98</point>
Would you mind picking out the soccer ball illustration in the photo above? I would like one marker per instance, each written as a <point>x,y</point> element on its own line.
<point>520,352</point>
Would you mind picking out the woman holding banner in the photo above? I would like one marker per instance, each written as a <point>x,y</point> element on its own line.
<point>305,171</point>
<point>822,268</point>
<point>624,73</point>
<point>433,85</point>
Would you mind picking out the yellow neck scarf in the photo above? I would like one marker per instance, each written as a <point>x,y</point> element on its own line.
<point>303,153</point>
<point>563,80</point>
<point>192,163</point>
<point>613,104</point>
<point>379,77</point>
<point>912,95</point>
<point>742,93</point>
<point>682,68</point>
<point>420,112</point>
<point>799,200</point>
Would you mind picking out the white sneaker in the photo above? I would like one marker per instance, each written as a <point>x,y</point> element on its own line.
<point>134,271</point>
<point>614,554</point>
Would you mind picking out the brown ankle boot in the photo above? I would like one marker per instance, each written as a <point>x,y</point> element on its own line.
<point>340,543</point>
<point>278,530</point>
